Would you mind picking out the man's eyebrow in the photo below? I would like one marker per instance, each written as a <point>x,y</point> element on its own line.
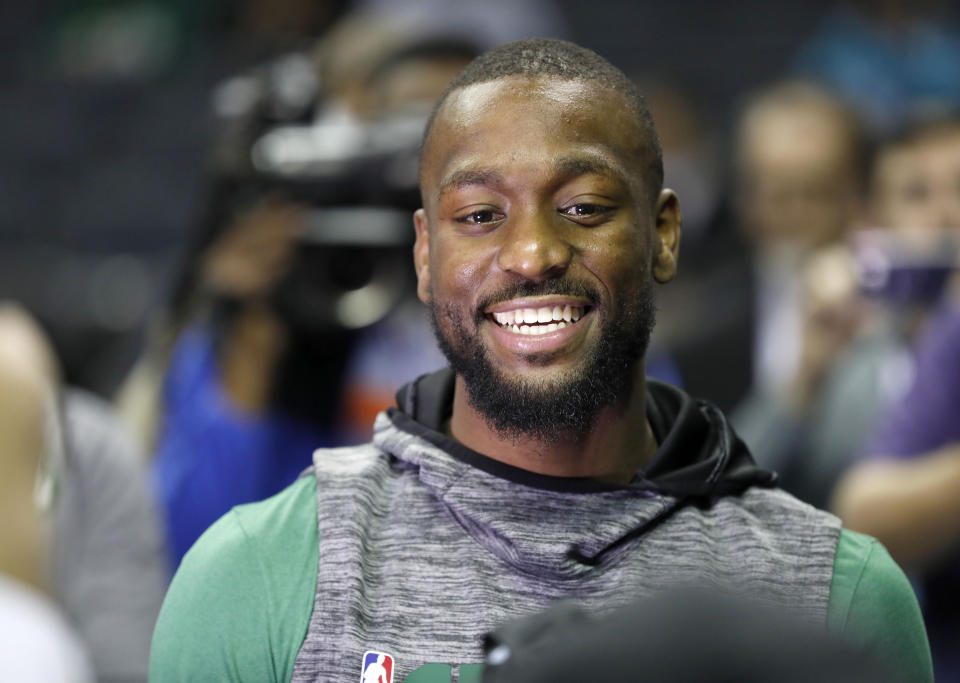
<point>469,176</point>
<point>571,167</point>
<point>564,168</point>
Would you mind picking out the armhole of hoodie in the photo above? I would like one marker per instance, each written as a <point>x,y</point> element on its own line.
<point>873,606</point>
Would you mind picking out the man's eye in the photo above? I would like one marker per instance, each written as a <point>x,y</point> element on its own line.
<point>480,217</point>
<point>589,211</point>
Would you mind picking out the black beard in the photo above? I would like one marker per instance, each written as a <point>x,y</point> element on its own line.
<point>550,411</point>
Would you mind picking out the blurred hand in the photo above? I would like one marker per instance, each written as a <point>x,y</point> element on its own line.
<point>833,315</point>
<point>254,254</point>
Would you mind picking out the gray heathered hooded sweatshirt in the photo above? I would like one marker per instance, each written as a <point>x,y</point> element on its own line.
<point>425,545</point>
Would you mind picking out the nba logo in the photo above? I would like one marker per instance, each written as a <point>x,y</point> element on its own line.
<point>377,667</point>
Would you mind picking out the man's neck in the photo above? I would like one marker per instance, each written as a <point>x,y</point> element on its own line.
<point>619,442</point>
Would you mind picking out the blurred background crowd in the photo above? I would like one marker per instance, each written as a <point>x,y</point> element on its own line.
<point>205,267</point>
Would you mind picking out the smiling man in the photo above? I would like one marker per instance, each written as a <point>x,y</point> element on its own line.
<point>541,465</point>
<point>542,231</point>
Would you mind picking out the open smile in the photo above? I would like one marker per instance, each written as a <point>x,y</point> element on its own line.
<point>540,320</point>
<point>539,325</point>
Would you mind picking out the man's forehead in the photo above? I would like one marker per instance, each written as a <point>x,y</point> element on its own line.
<point>465,106</point>
<point>561,92</point>
<point>549,108</point>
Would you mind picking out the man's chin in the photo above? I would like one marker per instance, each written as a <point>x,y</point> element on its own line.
<point>536,368</point>
<point>534,373</point>
<point>547,394</point>
<point>546,406</point>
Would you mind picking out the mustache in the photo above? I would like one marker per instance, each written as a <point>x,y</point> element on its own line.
<point>562,286</point>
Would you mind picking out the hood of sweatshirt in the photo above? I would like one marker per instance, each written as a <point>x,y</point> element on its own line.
<point>563,527</point>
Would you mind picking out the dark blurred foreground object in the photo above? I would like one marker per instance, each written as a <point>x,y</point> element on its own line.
<point>687,636</point>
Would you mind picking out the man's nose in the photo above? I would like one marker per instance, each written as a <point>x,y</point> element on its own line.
<point>535,247</point>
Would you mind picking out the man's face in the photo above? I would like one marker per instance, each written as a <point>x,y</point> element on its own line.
<point>537,247</point>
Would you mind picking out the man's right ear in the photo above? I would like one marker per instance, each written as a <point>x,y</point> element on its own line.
<point>421,254</point>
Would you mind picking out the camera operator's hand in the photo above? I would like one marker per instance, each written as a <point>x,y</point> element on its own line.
<point>833,315</point>
<point>255,252</point>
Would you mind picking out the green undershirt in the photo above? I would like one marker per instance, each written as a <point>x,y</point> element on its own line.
<point>240,604</point>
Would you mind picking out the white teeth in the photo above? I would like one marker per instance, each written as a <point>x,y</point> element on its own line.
<point>540,320</point>
<point>543,329</point>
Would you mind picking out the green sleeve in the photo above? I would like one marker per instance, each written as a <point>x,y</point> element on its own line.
<point>240,604</point>
<point>873,604</point>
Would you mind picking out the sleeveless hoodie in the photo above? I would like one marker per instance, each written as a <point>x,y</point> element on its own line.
<point>426,545</point>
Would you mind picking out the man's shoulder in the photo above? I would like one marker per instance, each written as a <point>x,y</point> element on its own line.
<point>351,470</point>
<point>869,601</point>
<point>785,533</point>
<point>259,558</point>
<point>865,576</point>
<point>268,523</point>
<point>873,604</point>
<point>250,535</point>
<point>290,509</point>
<point>294,507</point>
<point>775,508</point>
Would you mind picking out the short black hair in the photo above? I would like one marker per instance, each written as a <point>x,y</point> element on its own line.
<point>562,59</point>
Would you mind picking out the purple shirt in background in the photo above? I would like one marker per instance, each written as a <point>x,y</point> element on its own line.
<point>928,416</point>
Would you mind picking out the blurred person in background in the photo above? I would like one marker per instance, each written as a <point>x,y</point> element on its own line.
<point>799,173</point>
<point>906,491</point>
<point>862,304</point>
<point>797,188</point>
<point>94,545</point>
